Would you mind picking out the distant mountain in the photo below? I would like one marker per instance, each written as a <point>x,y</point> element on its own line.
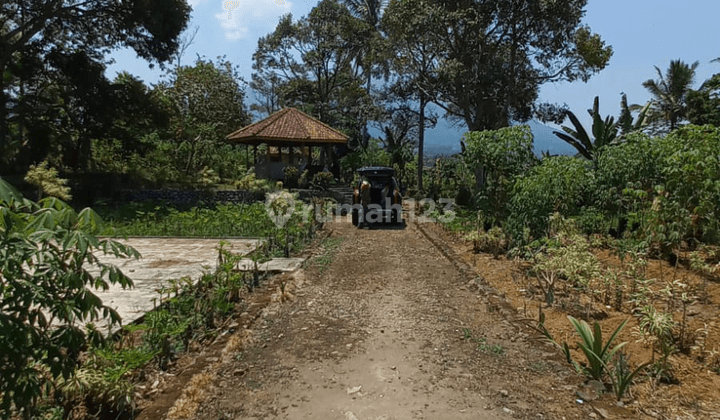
<point>444,141</point>
<point>544,140</point>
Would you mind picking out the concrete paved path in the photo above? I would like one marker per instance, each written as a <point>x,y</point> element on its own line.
<point>163,259</point>
<point>276,265</point>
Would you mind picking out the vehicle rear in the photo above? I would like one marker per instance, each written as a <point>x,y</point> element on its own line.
<point>377,197</point>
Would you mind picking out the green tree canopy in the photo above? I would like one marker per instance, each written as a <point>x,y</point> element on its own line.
<point>416,59</point>
<point>312,64</point>
<point>704,104</point>
<point>51,58</point>
<point>494,56</point>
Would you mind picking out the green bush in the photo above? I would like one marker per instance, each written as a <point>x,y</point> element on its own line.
<point>291,175</point>
<point>626,175</point>
<point>496,158</point>
<point>251,183</point>
<point>558,184</point>
<point>46,301</point>
<point>450,178</point>
<point>46,179</point>
<point>372,155</point>
<point>322,180</point>
<point>493,241</point>
<point>692,178</point>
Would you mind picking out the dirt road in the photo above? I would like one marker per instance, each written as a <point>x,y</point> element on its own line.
<point>389,329</point>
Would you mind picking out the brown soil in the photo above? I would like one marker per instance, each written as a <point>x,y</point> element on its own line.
<point>410,324</point>
<point>693,394</point>
<point>398,326</point>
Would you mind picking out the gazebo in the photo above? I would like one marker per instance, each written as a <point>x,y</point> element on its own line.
<point>290,129</point>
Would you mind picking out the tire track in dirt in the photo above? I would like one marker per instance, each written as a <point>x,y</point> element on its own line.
<point>391,330</point>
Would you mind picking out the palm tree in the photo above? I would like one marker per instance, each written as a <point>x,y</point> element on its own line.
<point>369,12</point>
<point>670,92</point>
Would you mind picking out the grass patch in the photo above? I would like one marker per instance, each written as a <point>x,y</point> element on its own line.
<point>482,344</point>
<point>219,221</point>
<point>464,220</point>
<point>157,219</point>
<point>323,261</point>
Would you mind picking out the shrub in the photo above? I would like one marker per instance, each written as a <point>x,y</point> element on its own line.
<point>47,306</point>
<point>692,177</point>
<point>303,181</point>
<point>250,183</point>
<point>208,178</point>
<point>291,175</point>
<point>493,241</point>
<point>571,261</point>
<point>496,158</point>
<point>558,184</point>
<point>322,180</point>
<point>47,181</point>
<point>636,163</point>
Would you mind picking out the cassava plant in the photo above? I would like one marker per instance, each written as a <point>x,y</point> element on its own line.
<point>47,297</point>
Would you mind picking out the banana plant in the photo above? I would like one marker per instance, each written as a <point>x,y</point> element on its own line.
<point>604,133</point>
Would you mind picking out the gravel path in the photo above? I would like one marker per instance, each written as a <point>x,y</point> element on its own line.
<point>391,329</point>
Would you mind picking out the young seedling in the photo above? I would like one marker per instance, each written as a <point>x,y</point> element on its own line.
<point>622,376</point>
<point>598,354</point>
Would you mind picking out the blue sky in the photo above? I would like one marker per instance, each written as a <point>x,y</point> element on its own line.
<point>643,34</point>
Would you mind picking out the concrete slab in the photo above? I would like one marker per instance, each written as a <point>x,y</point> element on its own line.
<point>163,259</point>
<point>276,265</point>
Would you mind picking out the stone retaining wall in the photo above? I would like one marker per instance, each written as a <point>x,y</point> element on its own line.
<point>192,197</point>
<point>195,196</point>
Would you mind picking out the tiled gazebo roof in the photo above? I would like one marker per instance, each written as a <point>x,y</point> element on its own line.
<point>288,127</point>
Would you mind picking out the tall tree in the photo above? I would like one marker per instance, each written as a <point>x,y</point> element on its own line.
<point>401,131</point>
<point>417,56</point>
<point>31,31</point>
<point>369,12</point>
<point>625,120</point>
<point>494,55</point>
<point>310,64</point>
<point>266,88</point>
<point>704,104</point>
<point>670,92</point>
<point>207,101</point>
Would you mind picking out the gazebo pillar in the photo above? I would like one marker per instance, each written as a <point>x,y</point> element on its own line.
<point>267,161</point>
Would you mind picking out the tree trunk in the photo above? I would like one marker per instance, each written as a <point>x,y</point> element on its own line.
<point>365,133</point>
<point>3,124</point>
<point>421,139</point>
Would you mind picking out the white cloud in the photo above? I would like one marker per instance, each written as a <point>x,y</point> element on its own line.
<point>196,3</point>
<point>239,16</point>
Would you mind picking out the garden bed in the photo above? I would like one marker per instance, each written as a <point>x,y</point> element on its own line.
<point>687,382</point>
